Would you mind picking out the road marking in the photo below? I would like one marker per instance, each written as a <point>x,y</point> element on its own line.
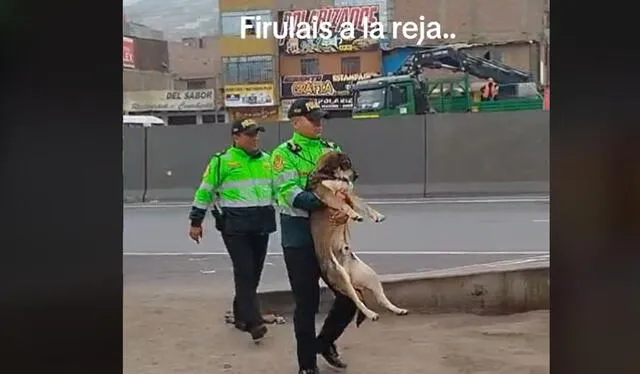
<point>493,264</point>
<point>387,202</point>
<point>447,253</point>
<point>541,220</point>
<point>207,271</point>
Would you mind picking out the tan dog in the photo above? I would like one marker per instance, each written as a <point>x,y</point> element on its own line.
<point>332,182</point>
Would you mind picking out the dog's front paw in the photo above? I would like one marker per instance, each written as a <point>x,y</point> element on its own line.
<point>402,312</point>
<point>379,218</point>
<point>374,316</point>
<point>357,217</point>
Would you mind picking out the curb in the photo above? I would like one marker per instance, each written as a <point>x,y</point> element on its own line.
<point>488,289</point>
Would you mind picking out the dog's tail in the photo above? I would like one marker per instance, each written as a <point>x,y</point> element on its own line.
<point>360,317</point>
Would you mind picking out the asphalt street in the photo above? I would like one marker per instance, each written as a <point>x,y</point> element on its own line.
<point>416,236</point>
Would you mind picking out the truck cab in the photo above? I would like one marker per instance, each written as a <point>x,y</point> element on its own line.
<point>389,96</point>
<point>406,92</point>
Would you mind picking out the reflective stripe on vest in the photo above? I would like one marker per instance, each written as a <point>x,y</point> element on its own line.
<point>300,164</point>
<point>246,193</point>
<point>245,182</point>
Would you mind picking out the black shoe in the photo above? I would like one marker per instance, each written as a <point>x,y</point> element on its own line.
<point>333,358</point>
<point>241,326</point>
<point>309,371</point>
<point>258,332</point>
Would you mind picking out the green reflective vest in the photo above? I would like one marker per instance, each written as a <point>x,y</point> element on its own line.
<point>292,162</point>
<point>240,184</point>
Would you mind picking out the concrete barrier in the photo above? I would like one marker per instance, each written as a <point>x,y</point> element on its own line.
<point>504,287</point>
<point>495,153</point>
<point>134,164</point>
<point>177,156</point>
<point>397,157</point>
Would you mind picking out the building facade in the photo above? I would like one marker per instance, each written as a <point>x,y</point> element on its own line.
<point>149,86</point>
<point>512,32</point>
<point>145,64</point>
<point>248,64</point>
<point>324,66</point>
<point>196,65</point>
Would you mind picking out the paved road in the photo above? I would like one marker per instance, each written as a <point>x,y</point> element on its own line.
<point>417,236</point>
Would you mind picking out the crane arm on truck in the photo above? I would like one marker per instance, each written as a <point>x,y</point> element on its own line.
<point>457,60</point>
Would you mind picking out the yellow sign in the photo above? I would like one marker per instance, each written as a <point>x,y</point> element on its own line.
<point>364,116</point>
<point>259,113</point>
<point>248,95</point>
<point>312,88</point>
<point>169,101</point>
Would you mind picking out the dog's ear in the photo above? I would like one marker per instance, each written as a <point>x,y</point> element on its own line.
<point>328,163</point>
<point>344,161</point>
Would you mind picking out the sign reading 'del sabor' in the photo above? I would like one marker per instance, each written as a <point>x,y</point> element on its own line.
<point>188,100</point>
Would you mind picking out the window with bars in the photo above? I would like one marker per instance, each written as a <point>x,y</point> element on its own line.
<point>247,69</point>
<point>196,85</point>
<point>309,66</point>
<point>350,65</point>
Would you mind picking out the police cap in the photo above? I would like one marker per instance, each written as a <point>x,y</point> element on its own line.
<point>308,108</point>
<point>245,126</point>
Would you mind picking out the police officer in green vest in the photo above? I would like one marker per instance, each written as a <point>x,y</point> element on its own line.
<point>292,162</point>
<point>238,182</point>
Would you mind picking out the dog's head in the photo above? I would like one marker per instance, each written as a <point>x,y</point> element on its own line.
<point>337,165</point>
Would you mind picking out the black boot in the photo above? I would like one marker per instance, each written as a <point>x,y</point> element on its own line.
<point>309,371</point>
<point>331,355</point>
<point>258,332</point>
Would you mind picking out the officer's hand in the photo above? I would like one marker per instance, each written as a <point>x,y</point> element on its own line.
<point>338,218</point>
<point>195,233</point>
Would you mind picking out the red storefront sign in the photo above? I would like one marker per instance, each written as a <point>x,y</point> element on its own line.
<point>128,53</point>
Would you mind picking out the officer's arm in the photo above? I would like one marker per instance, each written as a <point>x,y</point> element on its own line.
<point>286,184</point>
<point>205,194</point>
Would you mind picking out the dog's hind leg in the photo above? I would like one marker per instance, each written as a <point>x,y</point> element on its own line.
<point>351,293</point>
<point>365,277</point>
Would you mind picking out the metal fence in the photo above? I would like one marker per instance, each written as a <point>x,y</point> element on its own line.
<point>466,154</point>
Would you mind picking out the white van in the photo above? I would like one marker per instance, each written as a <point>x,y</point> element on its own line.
<point>142,121</point>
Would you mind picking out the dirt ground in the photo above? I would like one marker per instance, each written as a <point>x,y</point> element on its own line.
<point>183,331</point>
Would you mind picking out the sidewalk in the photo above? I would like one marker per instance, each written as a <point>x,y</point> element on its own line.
<point>183,331</point>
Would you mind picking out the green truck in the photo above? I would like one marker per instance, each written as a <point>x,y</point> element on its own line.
<point>407,93</point>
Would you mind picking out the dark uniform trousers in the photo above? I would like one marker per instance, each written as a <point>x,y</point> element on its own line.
<point>247,252</point>
<point>304,274</point>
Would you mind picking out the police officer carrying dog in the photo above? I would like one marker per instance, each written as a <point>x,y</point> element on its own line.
<point>239,178</point>
<point>292,162</point>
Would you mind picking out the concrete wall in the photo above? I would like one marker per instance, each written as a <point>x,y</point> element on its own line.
<point>136,80</point>
<point>196,58</point>
<point>151,54</point>
<point>435,155</point>
<point>330,63</point>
